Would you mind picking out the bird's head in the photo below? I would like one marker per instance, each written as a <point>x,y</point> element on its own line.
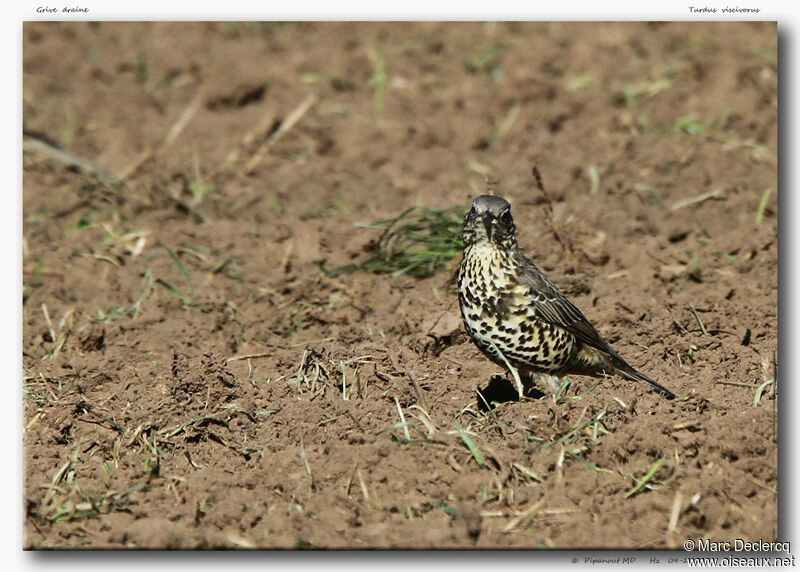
<point>489,221</point>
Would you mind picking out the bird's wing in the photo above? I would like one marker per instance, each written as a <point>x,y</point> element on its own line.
<point>550,305</point>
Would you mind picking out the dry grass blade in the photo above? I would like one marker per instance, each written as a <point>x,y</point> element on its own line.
<point>736,383</point>
<point>507,123</point>
<point>402,420</point>
<point>184,119</point>
<point>715,194</point>
<point>174,132</point>
<point>425,419</point>
<point>249,356</point>
<point>344,381</point>
<point>241,542</point>
<point>527,513</point>
<point>35,144</point>
<point>304,457</point>
<point>286,126</point>
<point>49,323</point>
<point>417,389</point>
<point>675,512</point>
<point>262,129</point>
<point>363,485</point>
<point>594,179</point>
<point>90,409</point>
<point>64,329</point>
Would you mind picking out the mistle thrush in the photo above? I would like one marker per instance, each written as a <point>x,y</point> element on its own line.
<point>517,316</point>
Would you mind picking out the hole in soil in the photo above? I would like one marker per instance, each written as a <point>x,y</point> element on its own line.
<point>502,390</point>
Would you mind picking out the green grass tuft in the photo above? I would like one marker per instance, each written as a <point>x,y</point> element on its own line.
<point>489,60</point>
<point>631,95</point>
<point>187,299</point>
<point>378,80</point>
<point>640,484</point>
<point>473,448</point>
<point>419,242</point>
<point>760,392</point>
<point>140,69</point>
<point>582,81</point>
<point>132,311</point>
<point>691,125</point>
<point>562,390</point>
<point>762,205</point>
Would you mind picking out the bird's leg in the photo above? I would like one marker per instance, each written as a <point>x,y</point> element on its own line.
<point>542,380</point>
<point>532,384</point>
<point>511,369</point>
<point>518,384</point>
<point>555,386</point>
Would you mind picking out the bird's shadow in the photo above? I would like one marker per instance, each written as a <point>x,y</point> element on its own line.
<point>501,390</point>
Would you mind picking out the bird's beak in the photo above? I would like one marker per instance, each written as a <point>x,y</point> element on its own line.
<point>487,224</point>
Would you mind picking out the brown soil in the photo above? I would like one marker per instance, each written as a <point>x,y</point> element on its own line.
<point>147,426</point>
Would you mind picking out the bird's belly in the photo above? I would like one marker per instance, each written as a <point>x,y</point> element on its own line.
<point>521,339</point>
<point>499,318</point>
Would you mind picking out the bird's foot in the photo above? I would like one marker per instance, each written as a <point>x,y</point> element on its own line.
<point>543,380</point>
<point>554,382</point>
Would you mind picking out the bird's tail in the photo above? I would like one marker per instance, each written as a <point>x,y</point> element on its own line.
<point>631,373</point>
